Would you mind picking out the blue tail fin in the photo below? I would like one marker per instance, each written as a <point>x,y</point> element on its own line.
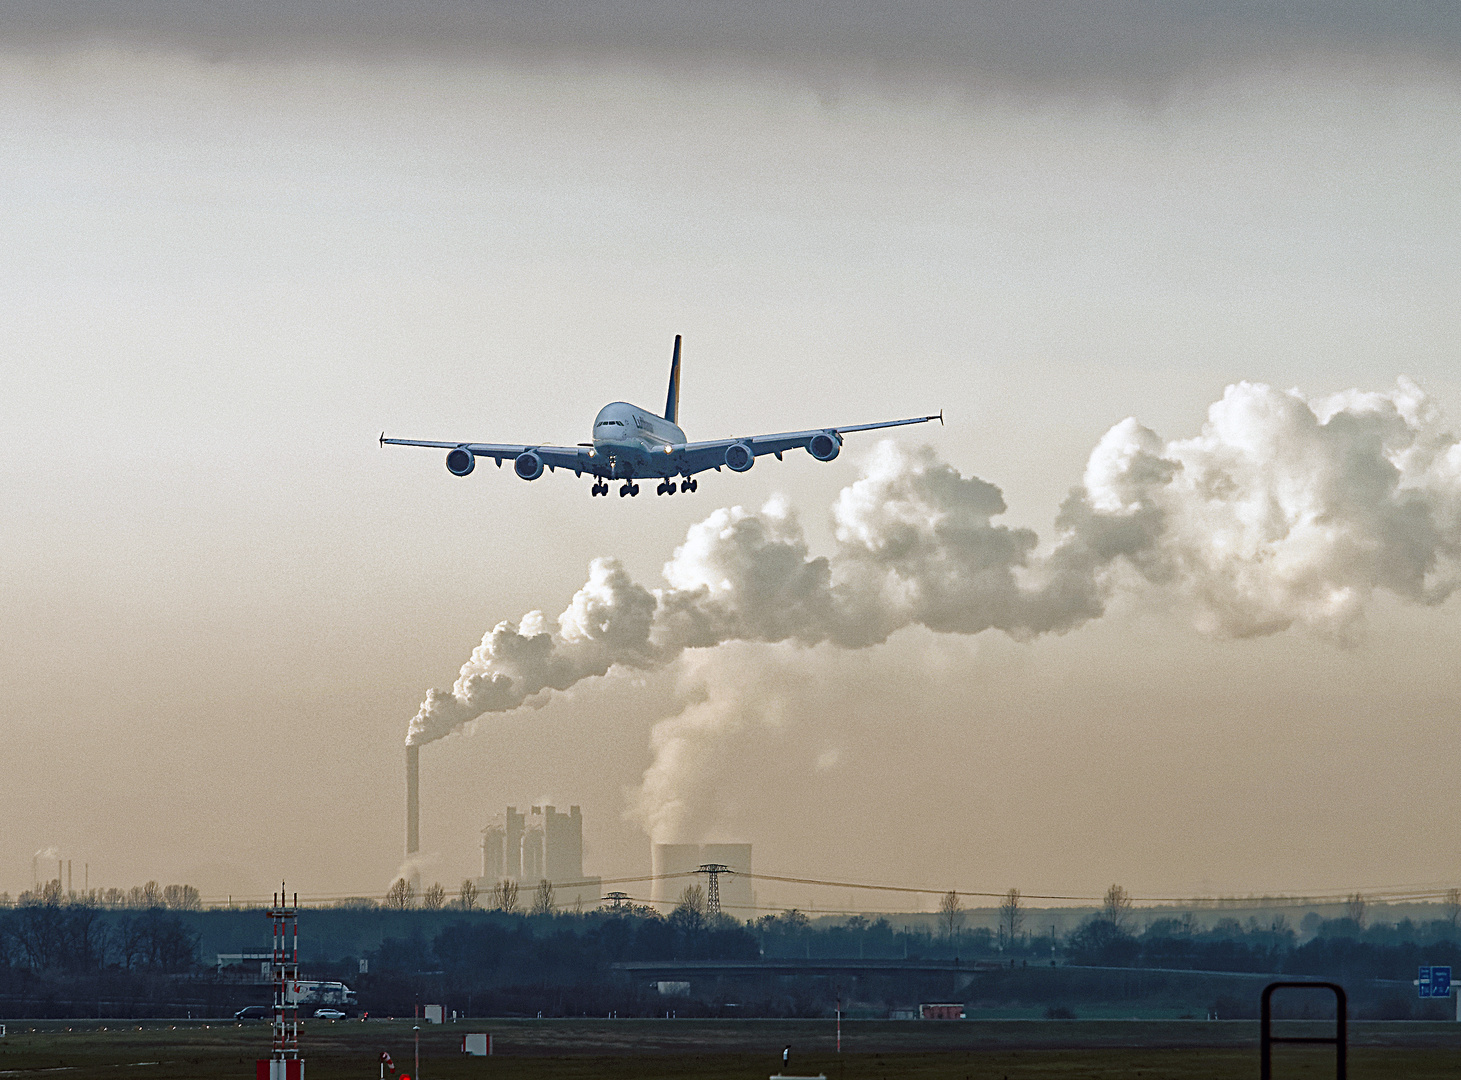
<point>672,403</point>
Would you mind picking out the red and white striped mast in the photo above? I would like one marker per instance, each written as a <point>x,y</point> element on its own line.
<point>284,1059</point>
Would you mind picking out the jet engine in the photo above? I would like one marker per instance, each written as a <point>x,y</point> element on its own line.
<point>528,465</point>
<point>824,447</point>
<point>738,457</point>
<point>461,461</point>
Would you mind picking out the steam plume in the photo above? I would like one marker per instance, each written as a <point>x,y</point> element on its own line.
<point>1285,510</point>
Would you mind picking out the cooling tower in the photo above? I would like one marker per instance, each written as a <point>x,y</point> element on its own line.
<point>672,865</point>
<point>413,799</point>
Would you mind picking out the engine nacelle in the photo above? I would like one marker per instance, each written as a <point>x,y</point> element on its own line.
<point>461,461</point>
<point>824,447</point>
<point>738,457</point>
<point>528,465</point>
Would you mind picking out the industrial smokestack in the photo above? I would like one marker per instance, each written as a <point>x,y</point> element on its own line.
<point>413,799</point>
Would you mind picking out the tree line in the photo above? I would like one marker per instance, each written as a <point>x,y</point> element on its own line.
<point>140,897</point>
<point>77,938</point>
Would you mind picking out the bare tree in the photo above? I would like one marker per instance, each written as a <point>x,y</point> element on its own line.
<point>467,895</point>
<point>504,895</point>
<point>692,897</point>
<point>950,916</point>
<point>434,898</point>
<point>1354,908</point>
<point>1116,907</point>
<point>1011,916</point>
<point>689,914</point>
<point>542,898</point>
<point>1452,906</point>
<point>400,895</point>
<point>182,898</point>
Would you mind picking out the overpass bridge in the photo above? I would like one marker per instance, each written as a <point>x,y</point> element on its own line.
<point>804,966</point>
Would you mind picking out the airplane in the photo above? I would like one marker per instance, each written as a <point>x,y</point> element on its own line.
<point>631,444</point>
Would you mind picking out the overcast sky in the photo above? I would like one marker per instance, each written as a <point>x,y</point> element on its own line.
<point>237,242</point>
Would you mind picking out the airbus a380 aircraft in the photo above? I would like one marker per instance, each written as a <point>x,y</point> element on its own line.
<point>632,444</point>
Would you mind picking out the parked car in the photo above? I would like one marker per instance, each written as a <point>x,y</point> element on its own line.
<point>255,1012</point>
<point>329,1014</point>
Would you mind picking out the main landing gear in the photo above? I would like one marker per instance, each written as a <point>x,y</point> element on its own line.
<point>666,487</point>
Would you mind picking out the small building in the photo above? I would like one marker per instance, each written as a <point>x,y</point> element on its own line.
<point>477,1045</point>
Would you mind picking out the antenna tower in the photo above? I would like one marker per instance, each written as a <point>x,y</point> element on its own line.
<point>284,1062</point>
<point>712,872</point>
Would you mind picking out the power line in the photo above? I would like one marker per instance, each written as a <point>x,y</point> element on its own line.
<point>1392,894</point>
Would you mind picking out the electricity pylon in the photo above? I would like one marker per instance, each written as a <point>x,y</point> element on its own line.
<point>712,872</point>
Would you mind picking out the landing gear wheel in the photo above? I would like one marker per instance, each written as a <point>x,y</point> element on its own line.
<point>634,489</point>
<point>694,485</point>
<point>661,489</point>
<point>684,486</point>
<point>624,491</point>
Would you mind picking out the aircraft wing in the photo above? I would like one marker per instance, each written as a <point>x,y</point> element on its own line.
<point>699,456</point>
<point>576,458</point>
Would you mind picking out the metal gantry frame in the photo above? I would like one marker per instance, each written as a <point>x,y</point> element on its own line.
<point>1339,1040</point>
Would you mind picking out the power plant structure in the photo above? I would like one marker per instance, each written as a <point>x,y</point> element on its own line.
<point>545,845</point>
<point>677,866</point>
<point>413,800</point>
<point>541,845</point>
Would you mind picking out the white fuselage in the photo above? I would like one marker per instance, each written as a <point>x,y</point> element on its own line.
<point>635,441</point>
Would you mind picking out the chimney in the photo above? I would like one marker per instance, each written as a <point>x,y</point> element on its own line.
<point>413,799</point>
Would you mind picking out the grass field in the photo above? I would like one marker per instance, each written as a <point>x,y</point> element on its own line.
<point>721,1050</point>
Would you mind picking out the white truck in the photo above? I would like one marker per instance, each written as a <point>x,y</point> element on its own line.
<point>317,994</point>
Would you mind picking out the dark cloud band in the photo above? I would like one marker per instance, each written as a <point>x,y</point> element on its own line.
<point>1082,44</point>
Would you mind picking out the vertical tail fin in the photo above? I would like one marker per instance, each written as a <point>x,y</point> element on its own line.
<point>672,403</point>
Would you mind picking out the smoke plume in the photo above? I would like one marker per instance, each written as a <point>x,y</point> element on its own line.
<point>1285,510</point>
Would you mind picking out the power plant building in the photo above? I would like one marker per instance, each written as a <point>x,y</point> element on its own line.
<point>541,845</point>
<point>674,864</point>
